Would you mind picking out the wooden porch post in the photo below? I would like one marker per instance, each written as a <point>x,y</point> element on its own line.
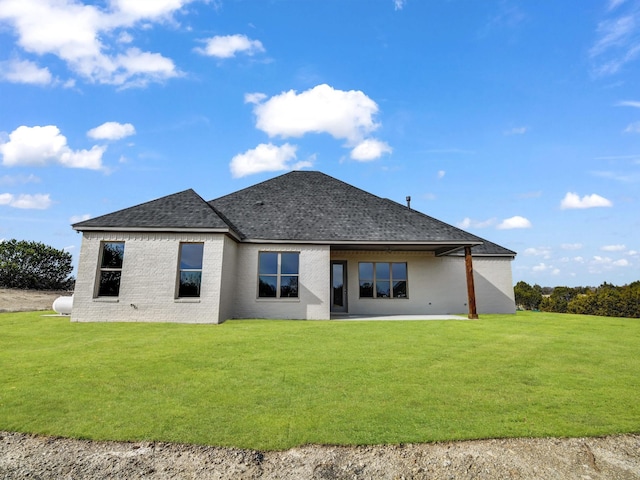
<point>471,290</point>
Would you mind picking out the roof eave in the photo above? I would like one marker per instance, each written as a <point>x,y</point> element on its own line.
<point>440,247</point>
<point>227,231</point>
<point>502,255</point>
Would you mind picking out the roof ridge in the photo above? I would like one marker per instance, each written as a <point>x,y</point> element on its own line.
<point>268,180</point>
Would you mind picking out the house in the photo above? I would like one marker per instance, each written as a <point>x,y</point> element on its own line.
<point>302,245</point>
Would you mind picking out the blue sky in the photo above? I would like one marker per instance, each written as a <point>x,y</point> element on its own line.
<point>518,121</point>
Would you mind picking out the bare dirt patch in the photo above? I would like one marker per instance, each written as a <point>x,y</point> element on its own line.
<point>32,456</point>
<point>13,300</point>
<point>27,456</point>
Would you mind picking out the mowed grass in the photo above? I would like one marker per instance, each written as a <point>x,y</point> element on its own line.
<point>277,384</point>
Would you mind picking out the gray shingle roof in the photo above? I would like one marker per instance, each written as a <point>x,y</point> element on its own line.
<point>300,206</point>
<point>312,206</point>
<point>183,210</point>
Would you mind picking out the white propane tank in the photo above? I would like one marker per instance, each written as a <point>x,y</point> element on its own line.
<point>63,305</point>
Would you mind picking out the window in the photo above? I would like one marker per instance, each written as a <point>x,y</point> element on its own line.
<point>383,280</point>
<point>278,274</point>
<point>110,269</point>
<point>190,271</point>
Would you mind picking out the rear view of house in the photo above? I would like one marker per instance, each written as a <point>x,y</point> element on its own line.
<point>303,245</point>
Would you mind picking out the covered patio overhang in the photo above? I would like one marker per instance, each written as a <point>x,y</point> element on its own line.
<point>438,249</point>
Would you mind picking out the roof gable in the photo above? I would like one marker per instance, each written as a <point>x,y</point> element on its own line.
<point>183,210</point>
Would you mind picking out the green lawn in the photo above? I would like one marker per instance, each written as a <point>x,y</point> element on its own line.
<point>277,384</point>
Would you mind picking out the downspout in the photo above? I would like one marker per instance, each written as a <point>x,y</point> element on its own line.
<point>471,291</point>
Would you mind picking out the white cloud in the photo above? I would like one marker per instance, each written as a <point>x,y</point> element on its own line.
<point>613,248</point>
<point>465,223</point>
<point>226,46</point>
<point>617,42</point>
<point>632,128</point>
<point>626,177</point>
<point>613,4</point>
<point>87,37</point>
<point>137,68</point>
<point>254,97</point>
<point>632,253</point>
<point>539,252</point>
<point>38,201</point>
<point>24,71</point>
<point>370,149</point>
<point>266,158</point>
<point>79,218</point>
<point>628,103</point>
<point>571,246</point>
<point>441,174</point>
<point>342,114</point>
<point>112,131</point>
<point>607,263</point>
<point>399,4</point>
<point>514,222</point>
<point>125,37</point>
<point>516,131</point>
<point>18,179</point>
<point>40,146</point>
<point>542,267</point>
<point>131,11</point>
<point>470,223</point>
<point>573,201</point>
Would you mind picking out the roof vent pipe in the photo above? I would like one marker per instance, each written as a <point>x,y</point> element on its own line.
<point>408,202</point>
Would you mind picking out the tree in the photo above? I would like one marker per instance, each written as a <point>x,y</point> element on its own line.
<point>608,301</point>
<point>585,304</point>
<point>559,299</point>
<point>631,300</point>
<point>34,265</point>
<point>526,296</point>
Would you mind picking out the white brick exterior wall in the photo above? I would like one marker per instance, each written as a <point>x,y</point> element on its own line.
<point>313,284</point>
<point>149,280</point>
<point>436,285</point>
<point>228,289</point>
<point>494,285</point>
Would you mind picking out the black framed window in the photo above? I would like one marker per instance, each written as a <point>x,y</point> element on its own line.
<point>190,271</point>
<point>278,274</point>
<point>111,260</point>
<point>383,279</point>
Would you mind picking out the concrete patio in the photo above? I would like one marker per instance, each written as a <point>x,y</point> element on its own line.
<point>347,317</point>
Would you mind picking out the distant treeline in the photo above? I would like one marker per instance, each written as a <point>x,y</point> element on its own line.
<point>34,265</point>
<point>606,300</point>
